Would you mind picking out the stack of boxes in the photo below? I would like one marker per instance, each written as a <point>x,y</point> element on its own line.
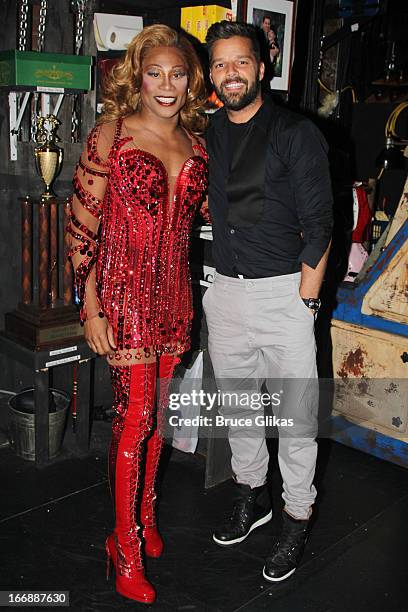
<point>197,19</point>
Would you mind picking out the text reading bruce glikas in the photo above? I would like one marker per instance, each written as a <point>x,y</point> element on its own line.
<point>248,400</point>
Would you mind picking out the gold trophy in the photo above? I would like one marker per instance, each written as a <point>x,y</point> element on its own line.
<point>48,156</point>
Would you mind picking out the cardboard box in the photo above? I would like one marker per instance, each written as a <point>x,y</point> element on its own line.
<point>197,19</point>
<point>213,13</point>
<point>218,13</point>
<point>186,21</point>
<point>206,23</point>
<point>45,70</point>
<point>198,23</point>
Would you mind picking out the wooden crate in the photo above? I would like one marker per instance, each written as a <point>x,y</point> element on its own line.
<point>371,383</point>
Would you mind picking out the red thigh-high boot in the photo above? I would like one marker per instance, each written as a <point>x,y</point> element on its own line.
<point>152,537</point>
<point>123,546</point>
<point>120,379</point>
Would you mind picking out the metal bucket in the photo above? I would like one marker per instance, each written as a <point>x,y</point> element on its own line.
<point>22,422</point>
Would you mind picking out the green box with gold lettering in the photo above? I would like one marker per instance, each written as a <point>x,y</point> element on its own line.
<point>34,70</point>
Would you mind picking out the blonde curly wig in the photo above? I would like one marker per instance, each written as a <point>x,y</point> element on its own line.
<point>121,90</point>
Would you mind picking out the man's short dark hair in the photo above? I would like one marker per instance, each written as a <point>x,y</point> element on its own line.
<point>266,17</point>
<point>222,30</point>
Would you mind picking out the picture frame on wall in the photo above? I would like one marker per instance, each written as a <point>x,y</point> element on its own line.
<point>277,19</point>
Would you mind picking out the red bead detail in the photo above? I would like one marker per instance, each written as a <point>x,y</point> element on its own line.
<point>92,147</point>
<point>88,170</point>
<point>87,200</point>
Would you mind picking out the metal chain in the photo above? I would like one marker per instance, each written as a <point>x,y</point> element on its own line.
<point>79,8</point>
<point>34,114</point>
<point>79,24</point>
<point>75,119</point>
<point>41,25</point>
<point>22,35</point>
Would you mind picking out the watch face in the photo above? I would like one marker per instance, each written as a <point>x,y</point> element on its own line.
<point>312,303</point>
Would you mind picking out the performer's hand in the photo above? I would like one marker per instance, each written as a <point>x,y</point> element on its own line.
<point>99,335</point>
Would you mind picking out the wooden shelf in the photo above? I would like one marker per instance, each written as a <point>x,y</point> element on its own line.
<point>389,83</point>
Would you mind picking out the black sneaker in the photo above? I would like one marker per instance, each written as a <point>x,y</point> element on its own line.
<point>288,550</point>
<point>252,508</point>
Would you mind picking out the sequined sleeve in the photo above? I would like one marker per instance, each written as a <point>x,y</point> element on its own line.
<point>205,212</point>
<point>200,149</point>
<point>89,185</point>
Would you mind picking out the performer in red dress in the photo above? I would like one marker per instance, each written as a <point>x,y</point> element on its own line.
<point>137,188</point>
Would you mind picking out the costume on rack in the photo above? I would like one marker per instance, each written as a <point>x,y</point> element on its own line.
<point>133,245</point>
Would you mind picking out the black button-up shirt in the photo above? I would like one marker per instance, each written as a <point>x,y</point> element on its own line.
<point>269,193</point>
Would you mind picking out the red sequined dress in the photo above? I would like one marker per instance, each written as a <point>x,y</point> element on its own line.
<point>127,232</point>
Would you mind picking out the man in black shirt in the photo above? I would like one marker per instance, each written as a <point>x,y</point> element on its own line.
<point>271,206</point>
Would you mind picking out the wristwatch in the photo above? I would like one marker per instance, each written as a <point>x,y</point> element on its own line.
<point>313,303</point>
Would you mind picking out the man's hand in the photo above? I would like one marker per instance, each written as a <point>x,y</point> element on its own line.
<point>99,336</point>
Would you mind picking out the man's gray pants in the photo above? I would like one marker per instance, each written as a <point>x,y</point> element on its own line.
<point>260,331</point>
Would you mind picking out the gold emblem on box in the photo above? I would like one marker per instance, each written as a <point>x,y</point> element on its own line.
<point>53,75</point>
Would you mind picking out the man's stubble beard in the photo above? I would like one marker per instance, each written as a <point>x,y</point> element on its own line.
<point>236,103</point>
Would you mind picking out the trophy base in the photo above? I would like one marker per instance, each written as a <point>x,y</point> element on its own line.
<point>42,329</point>
<point>48,196</point>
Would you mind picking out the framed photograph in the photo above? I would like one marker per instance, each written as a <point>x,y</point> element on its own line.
<point>277,20</point>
